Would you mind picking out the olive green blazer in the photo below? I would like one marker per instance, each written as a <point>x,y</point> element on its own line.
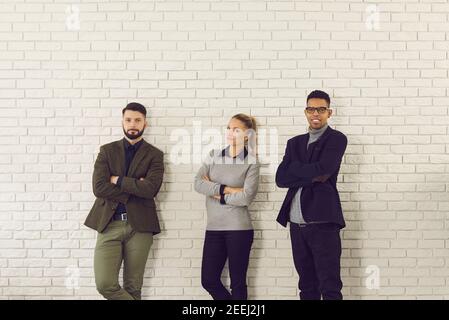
<point>137,195</point>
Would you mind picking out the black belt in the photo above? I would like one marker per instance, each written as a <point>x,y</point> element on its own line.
<point>120,216</point>
<point>302,225</point>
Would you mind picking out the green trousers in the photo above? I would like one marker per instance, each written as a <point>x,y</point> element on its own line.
<point>119,243</point>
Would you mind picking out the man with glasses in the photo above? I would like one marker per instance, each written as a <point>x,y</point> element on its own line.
<point>309,170</point>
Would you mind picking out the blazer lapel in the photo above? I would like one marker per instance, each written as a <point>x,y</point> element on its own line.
<point>303,148</point>
<point>138,157</point>
<point>119,150</point>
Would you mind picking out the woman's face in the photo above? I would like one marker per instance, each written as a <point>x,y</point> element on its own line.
<point>236,133</point>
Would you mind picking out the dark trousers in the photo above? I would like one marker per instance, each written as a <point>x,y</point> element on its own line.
<point>316,254</point>
<point>218,247</point>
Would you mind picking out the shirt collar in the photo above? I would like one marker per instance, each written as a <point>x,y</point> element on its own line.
<point>242,155</point>
<point>127,144</point>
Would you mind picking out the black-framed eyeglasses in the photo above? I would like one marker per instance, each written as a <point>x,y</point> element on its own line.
<point>321,110</point>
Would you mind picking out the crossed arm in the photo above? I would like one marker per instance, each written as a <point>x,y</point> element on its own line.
<point>243,197</point>
<point>205,186</point>
<point>237,196</point>
<point>298,174</point>
<point>104,185</point>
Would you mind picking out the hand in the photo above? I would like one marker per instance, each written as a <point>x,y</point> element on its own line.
<point>216,197</point>
<point>114,179</point>
<point>206,178</point>
<point>141,179</point>
<point>322,178</point>
<point>230,190</point>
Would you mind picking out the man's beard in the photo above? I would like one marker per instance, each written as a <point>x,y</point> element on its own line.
<point>133,136</point>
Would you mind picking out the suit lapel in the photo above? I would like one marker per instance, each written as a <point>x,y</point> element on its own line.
<point>303,147</point>
<point>138,157</point>
<point>119,151</point>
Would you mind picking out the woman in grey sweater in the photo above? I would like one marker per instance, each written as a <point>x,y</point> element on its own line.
<point>229,178</point>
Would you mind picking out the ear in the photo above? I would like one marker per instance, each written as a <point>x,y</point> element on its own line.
<point>330,113</point>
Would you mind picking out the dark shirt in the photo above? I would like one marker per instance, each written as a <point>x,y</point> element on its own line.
<point>130,152</point>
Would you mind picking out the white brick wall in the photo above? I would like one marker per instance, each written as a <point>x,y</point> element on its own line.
<point>61,94</point>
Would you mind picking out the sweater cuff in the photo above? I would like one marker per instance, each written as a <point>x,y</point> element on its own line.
<point>222,199</point>
<point>222,187</point>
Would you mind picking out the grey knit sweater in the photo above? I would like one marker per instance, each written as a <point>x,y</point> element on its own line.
<point>241,171</point>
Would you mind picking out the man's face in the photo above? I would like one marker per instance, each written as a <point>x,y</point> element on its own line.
<point>134,124</point>
<point>317,112</point>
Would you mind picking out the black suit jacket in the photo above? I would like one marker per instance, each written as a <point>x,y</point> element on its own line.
<point>319,200</point>
<point>137,195</point>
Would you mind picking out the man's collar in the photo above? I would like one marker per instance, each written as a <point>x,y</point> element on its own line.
<point>127,144</point>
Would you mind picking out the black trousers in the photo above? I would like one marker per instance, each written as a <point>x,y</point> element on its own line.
<point>220,246</point>
<point>316,254</point>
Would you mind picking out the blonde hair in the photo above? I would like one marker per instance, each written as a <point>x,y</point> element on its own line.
<point>250,123</point>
